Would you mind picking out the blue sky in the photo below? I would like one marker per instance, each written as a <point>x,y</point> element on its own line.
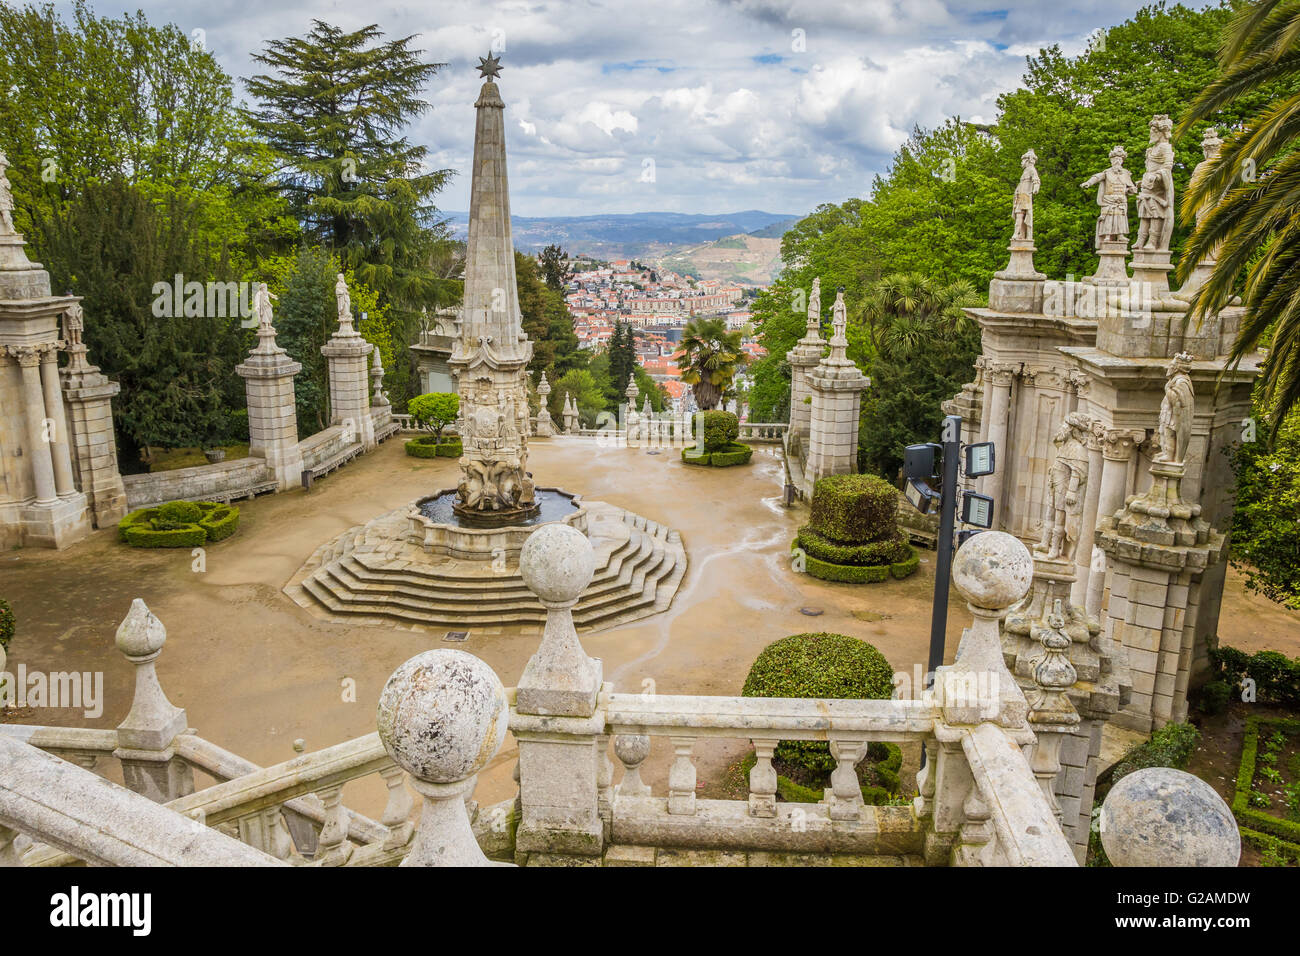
<point>685,105</point>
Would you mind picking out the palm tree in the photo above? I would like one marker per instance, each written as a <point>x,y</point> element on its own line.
<point>710,358</point>
<point>902,311</point>
<point>1253,191</point>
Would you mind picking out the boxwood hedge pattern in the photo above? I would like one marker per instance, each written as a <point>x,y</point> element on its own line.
<point>1256,824</point>
<point>853,535</point>
<point>428,447</point>
<point>728,455</point>
<point>179,524</point>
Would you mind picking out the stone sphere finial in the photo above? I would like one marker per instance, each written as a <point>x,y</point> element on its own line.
<point>1165,817</point>
<point>993,570</point>
<point>140,634</point>
<point>443,715</point>
<point>632,749</point>
<point>557,562</point>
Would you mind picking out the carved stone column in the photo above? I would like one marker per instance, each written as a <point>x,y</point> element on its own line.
<point>1088,523</point>
<point>999,377</point>
<point>62,459</point>
<point>38,445</point>
<point>1117,447</point>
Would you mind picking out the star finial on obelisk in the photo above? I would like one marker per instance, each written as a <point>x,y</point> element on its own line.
<point>489,66</point>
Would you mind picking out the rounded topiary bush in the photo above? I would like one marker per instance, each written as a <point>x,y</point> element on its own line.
<point>833,666</point>
<point>719,428</point>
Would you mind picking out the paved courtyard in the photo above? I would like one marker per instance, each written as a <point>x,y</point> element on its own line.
<point>255,671</point>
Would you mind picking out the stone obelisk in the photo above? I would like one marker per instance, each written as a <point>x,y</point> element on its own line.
<point>490,358</point>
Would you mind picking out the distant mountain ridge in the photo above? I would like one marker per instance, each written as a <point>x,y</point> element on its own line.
<point>629,231</point>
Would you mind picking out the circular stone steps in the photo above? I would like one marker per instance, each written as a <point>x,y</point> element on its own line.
<point>371,574</point>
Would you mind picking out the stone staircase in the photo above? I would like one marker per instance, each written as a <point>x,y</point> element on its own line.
<point>371,574</point>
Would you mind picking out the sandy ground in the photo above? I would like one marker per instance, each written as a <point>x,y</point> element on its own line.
<point>255,671</point>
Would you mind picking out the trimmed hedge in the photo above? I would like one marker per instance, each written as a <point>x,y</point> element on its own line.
<point>818,665</point>
<point>720,429</point>
<point>162,527</point>
<point>732,454</point>
<point>1288,831</point>
<point>856,573</point>
<point>855,509</point>
<point>429,447</point>
<point>887,551</point>
<point>1276,677</point>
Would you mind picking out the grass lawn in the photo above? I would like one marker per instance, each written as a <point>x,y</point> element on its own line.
<point>169,459</point>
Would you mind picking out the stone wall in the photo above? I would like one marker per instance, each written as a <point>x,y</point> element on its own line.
<point>201,483</point>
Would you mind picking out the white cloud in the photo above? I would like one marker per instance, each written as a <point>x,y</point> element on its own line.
<point>714,93</point>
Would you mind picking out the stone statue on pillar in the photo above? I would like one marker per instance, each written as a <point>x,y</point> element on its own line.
<point>6,199</point>
<point>1066,483</point>
<point>1022,209</point>
<point>1175,423</point>
<point>73,324</point>
<point>815,309</point>
<point>1114,186</point>
<point>1155,204</point>
<point>344,299</point>
<point>262,306</point>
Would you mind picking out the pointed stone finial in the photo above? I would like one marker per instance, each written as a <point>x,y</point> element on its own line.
<point>631,391</point>
<point>144,738</point>
<point>543,387</point>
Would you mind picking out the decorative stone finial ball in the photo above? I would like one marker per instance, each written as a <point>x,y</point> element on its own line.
<point>1165,817</point>
<point>557,562</point>
<point>993,570</point>
<point>141,633</point>
<point>443,715</point>
<point>631,749</point>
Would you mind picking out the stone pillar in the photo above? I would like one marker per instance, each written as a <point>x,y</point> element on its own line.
<point>38,444</point>
<point>1088,522</point>
<point>837,387</point>
<point>442,717</point>
<point>347,352</point>
<point>999,377</point>
<point>803,358</point>
<point>557,719</point>
<point>1158,548</point>
<point>1117,446</point>
<point>88,395</point>
<point>545,427</point>
<point>272,411</point>
<point>62,458</point>
<point>144,739</point>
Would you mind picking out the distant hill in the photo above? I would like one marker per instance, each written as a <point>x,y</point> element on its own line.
<point>747,259</point>
<point>631,235</point>
<point>776,230</point>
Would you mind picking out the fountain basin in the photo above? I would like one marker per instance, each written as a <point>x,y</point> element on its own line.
<point>437,527</point>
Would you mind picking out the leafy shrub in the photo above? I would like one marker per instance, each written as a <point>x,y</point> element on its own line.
<point>818,665</point>
<point>720,429</point>
<point>428,446</point>
<point>730,454</point>
<point>435,410</point>
<point>1276,677</point>
<point>854,509</point>
<point>180,512</point>
<point>8,624</point>
<point>1213,697</point>
<point>153,528</point>
<point>1170,746</point>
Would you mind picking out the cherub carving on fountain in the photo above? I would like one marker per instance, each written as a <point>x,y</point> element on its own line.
<point>1066,483</point>
<point>1114,186</point>
<point>1022,208</point>
<point>6,199</point>
<point>1155,204</point>
<point>1175,425</point>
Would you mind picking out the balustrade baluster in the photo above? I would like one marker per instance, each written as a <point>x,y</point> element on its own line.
<point>332,848</point>
<point>762,780</point>
<point>681,777</point>
<point>845,789</point>
<point>397,812</point>
<point>604,777</point>
<point>631,750</point>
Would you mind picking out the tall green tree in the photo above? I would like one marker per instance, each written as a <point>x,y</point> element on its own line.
<point>547,322</point>
<point>922,346</point>
<point>334,108</point>
<point>710,358</point>
<point>130,165</point>
<point>554,263</point>
<point>622,361</point>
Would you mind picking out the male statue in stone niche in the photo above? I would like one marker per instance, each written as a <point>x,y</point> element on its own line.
<point>1067,481</point>
<point>1174,428</point>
